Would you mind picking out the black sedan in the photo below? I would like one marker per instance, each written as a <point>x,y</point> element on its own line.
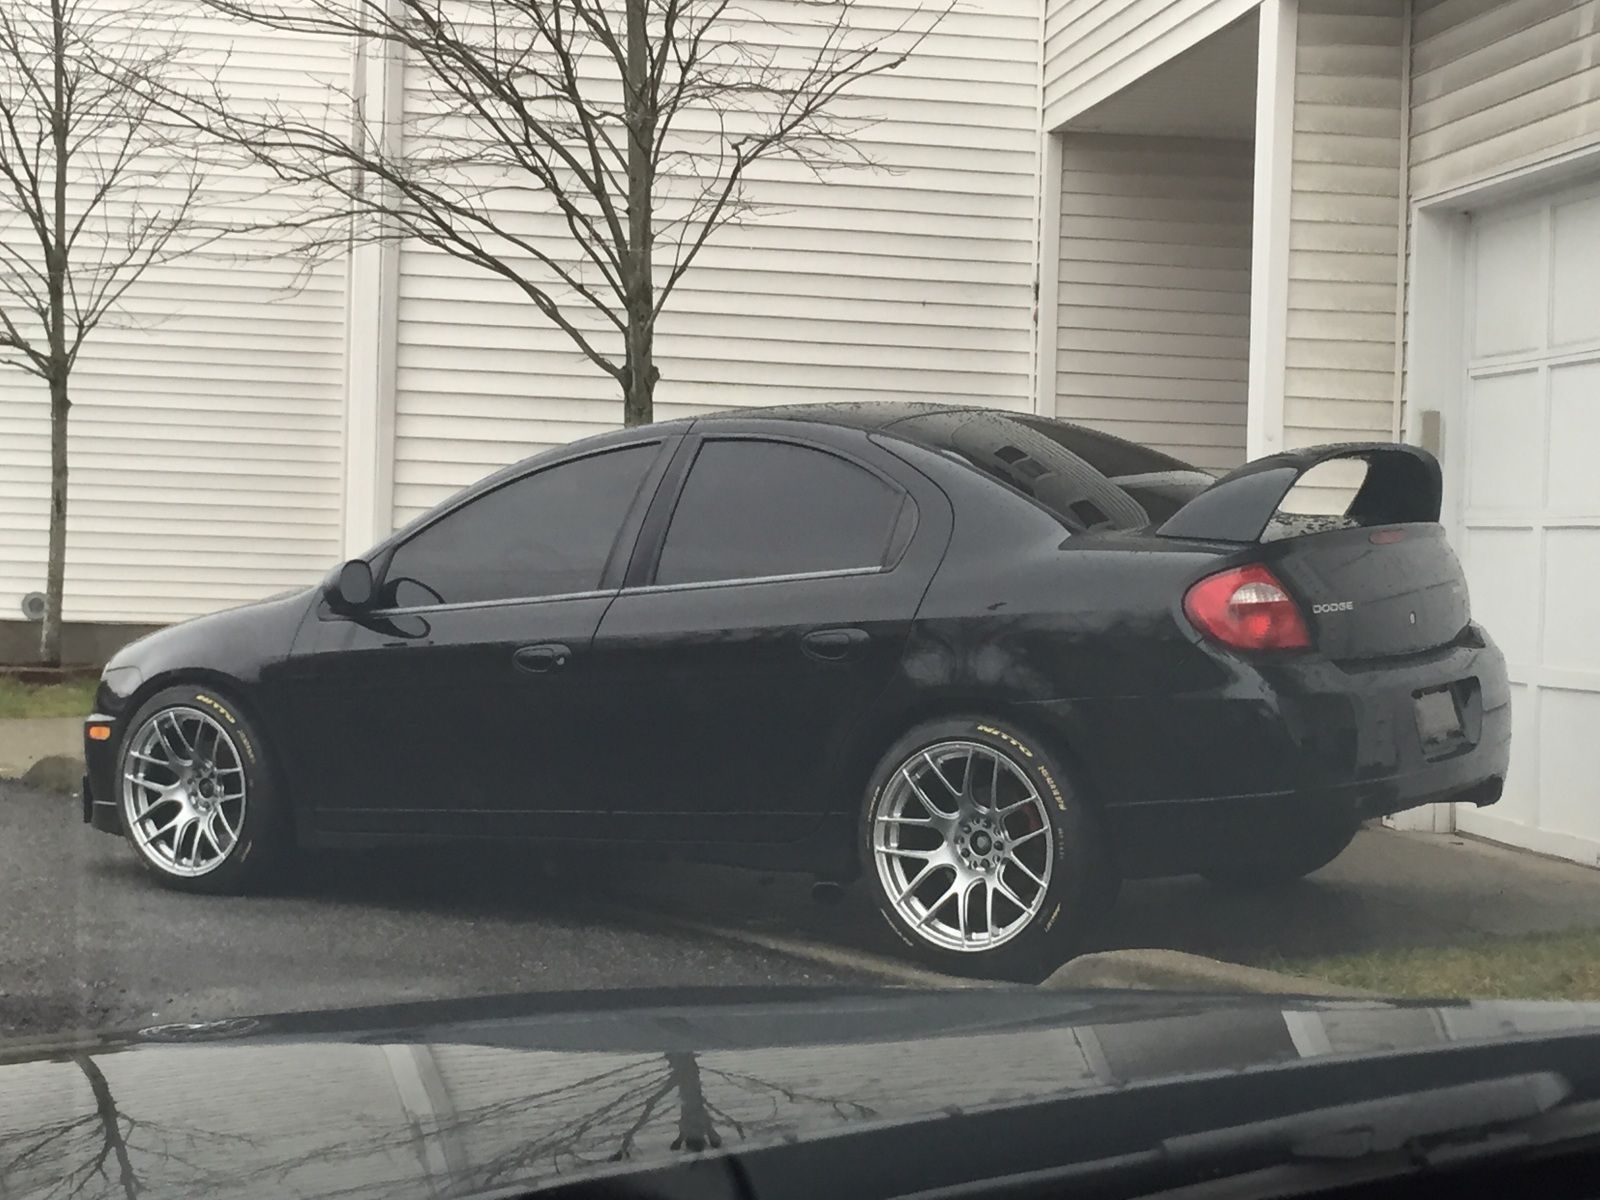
<point>993,663</point>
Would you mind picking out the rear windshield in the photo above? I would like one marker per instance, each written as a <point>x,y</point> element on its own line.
<point>1089,480</point>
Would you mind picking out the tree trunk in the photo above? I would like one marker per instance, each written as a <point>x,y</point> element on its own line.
<point>116,1142</point>
<point>55,570</point>
<point>695,1130</point>
<point>639,367</point>
<point>639,382</point>
<point>60,366</point>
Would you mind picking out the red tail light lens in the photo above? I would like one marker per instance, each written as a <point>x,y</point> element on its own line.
<point>1248,609</point>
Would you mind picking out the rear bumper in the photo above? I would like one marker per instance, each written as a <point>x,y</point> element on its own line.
<point>1232,774</point>
<point>1178,837</point>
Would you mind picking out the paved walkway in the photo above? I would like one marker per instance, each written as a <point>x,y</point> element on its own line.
<point>1388,889</point>
<point>25,740</point>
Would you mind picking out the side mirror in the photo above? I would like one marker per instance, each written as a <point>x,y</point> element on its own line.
<point>351,589</point>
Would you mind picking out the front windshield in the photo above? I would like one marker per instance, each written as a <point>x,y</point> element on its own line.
<point>610,510</point>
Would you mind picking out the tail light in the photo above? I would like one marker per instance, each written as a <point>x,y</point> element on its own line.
<point>1248,609</point>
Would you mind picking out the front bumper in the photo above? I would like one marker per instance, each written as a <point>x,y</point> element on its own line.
<point>1232,775</point>
<point>114,704</point>
<point>99,783</point>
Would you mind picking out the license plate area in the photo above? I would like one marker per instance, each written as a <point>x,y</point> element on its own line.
<point>1439,720</point>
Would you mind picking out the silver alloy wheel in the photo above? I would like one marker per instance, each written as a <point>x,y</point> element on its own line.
<point>183,791</point>
<point>963,845</point>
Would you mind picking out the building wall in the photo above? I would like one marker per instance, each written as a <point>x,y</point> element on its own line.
<point>208,442</point>
<point>911,278</point>
<point>1344,212</point>
<point>207,414</point>
<point>1496,85</point>
<point>1093,48</point>
<point>1154,294</point>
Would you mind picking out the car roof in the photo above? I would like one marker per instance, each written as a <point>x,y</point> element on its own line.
<point>869,415</point>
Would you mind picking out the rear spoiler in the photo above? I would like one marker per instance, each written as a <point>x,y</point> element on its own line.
<point>1403,485</point>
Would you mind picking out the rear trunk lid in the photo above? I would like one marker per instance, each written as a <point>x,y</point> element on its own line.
<point>1380,580</point>
<point>1374,592</point>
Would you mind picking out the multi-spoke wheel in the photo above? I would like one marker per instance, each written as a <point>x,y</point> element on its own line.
<point>983,857</point>
<point>963,846</point>
<point>185,791</point>
<point>196,802</point>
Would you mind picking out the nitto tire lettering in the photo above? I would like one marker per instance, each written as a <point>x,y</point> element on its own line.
<point>1006,738</point>
<point>1055,790</point>
<point>221,710</point>
<point>216,705</point>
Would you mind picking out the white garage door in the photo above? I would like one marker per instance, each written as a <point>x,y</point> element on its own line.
<point>1528,520</point>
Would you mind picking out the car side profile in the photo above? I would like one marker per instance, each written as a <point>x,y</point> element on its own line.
<point>990,664</point>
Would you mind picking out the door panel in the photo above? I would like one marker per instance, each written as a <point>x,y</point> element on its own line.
<point>723,723</point>
<point>731,697</point>
<point>464,708</point>
<point>444,733</point>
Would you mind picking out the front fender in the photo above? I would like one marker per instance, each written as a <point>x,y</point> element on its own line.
<point>236,645</point>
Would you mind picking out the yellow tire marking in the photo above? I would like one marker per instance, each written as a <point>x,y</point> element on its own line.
<point>218,707</point>
<point>1005,737</point>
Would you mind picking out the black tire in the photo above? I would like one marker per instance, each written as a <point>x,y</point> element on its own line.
<point>1080,887</point>
<point>251,858</point>
<point>1312,849</point>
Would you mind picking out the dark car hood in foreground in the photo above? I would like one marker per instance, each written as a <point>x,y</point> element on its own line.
<point>476,1096</point>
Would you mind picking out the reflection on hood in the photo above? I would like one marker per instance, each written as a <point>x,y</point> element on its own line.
<point>246,1107</point>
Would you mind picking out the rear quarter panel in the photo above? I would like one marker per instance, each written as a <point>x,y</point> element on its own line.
<point>1078,638</point>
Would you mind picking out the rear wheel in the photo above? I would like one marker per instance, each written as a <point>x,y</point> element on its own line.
<point>982,857</point>
<point>1314,848</point>
<point>198,803</point>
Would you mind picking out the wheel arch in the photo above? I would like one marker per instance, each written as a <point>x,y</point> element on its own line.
<point>237,693</point>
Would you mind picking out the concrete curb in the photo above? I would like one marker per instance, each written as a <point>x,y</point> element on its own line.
<point>1175,971</point>
<point>28,742</point>
<point>56,773</point>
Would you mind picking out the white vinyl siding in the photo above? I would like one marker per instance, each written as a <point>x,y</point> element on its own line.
<point>1496,85</point>
<point>1339,380</point>
<point>911,279</point>
<point>1154,295</point>
<point>207,416</point>
<point>1092,48</point>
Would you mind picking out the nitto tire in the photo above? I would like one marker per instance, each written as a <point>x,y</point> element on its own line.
<point>1314,849</point>
<point>981,854</point>
<point>196,796</point>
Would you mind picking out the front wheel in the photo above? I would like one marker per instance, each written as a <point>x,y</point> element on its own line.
<point>983,857</point>
<point>198,804</point>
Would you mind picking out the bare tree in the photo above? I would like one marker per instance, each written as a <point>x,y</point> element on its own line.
<point>98,1151</point>
<point>94,191</point>
<point>629,1107</point>
<point>630,127</point>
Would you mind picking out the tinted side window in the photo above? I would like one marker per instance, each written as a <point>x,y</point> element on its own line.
<point>542,535</point>
<point>750,509</point>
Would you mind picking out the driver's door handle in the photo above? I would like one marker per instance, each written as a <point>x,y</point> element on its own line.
<point>833,645</point>
<point>543,658</point>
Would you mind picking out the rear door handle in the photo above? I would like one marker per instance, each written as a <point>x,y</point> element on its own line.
<point>542,659</point>
<point>833,645</point>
